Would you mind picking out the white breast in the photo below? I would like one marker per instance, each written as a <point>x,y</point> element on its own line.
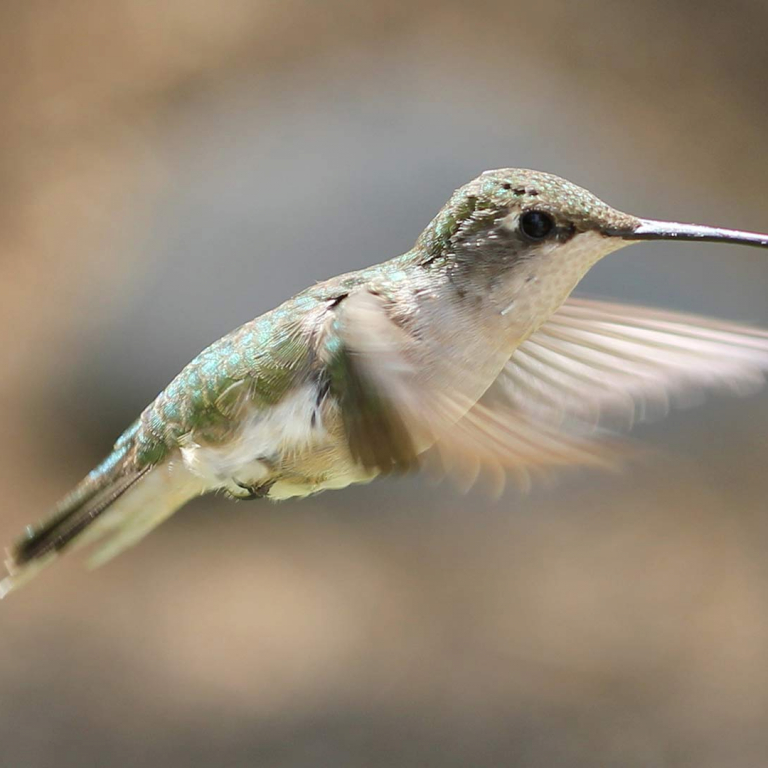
<point>265,435</point>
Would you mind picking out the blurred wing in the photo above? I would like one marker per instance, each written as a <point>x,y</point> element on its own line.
<point>392,415</point>
<point>592,369</point>
<point>596,364</point>
<point>373,383</point>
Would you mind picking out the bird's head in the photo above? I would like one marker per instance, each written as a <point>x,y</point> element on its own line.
<point>515,227</point>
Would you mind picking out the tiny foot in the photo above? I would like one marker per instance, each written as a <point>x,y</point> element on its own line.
<point>260,491</point>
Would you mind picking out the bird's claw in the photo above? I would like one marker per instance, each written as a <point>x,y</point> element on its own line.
<point>260,491</point>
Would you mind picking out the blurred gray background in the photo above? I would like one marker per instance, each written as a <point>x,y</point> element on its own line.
<point>170,170</point>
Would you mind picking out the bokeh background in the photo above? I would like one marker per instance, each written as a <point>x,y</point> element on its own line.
<point>170,170</point>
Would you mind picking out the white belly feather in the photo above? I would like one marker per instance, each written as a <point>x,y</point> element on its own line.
<point>267,440</point>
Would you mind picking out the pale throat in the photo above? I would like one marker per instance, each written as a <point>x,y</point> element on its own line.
<point>467,342</point>
<point>537,286</point>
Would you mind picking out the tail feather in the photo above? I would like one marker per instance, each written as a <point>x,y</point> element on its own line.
<point>55,535</point>
<point>73,515</point>
<point>166,488</point>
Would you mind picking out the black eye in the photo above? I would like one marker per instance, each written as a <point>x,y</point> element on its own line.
<point>536,225</point>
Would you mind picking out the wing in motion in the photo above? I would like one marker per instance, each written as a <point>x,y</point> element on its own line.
<point>610,365</point>
<point>592,370</point>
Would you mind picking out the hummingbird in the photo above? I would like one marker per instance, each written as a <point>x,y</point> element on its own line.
<point>465,354</point>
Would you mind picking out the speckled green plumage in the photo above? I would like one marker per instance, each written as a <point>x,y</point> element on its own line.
<point>263,356</point>
<point>260,361</point>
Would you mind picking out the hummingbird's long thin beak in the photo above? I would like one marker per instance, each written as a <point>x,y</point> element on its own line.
<point>648,229</point>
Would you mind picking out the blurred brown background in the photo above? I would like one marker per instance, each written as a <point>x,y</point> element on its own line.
<point>170,170</point>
